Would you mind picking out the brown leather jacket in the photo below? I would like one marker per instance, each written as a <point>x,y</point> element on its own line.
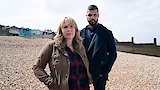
<point>57,58</point>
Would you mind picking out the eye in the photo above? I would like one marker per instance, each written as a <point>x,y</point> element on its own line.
<point>72,26</point>
<point>95,14</point>
<point>89,15</point>
<point>65,27</point>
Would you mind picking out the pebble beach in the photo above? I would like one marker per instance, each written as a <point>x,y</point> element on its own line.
<point>18,54</point>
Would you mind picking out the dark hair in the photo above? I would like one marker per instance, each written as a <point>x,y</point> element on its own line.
<point>92,7</point>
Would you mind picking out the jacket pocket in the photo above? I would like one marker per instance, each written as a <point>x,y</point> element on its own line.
<point>55,67</point>
<point>52,84</point>
<point>54,87</point>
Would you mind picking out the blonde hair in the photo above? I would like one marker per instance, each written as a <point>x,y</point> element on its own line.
<point>59,38</point>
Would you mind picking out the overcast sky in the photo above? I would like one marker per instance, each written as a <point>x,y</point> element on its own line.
<point>125,18</point>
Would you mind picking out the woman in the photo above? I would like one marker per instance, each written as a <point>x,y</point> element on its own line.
<point>67,60</point>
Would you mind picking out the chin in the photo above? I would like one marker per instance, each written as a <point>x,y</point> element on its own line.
<point>69,37</point>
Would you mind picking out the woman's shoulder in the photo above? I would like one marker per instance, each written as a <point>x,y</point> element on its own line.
<point>50,42</point>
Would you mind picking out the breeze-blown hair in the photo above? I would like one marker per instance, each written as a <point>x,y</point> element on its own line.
<point>59,38</point>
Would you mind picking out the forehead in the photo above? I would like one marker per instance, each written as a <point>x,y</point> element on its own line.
<point>67,23</point>
<point>92,11</point>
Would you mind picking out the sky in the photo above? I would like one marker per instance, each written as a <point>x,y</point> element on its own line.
<point>125,18</point>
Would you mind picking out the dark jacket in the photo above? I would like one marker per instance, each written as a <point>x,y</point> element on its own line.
<point>104,51</point>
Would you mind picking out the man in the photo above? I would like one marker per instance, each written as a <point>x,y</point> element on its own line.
<point>100,47</point>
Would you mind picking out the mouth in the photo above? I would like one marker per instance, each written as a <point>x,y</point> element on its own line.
<point>92,21</point>
<point>68,34</point>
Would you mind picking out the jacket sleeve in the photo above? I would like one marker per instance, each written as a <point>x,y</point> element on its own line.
<point>42,60</point>
<point>112,51</point>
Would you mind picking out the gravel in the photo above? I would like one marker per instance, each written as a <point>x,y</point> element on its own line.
<point>17,56</point>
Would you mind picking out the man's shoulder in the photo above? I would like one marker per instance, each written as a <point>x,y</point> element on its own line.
<point>104,28</point>
<point>83,29</point>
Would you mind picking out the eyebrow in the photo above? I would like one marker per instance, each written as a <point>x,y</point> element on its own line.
<point>91,14</point>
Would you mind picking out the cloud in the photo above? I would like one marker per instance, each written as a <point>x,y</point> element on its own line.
<point>134,18</point>
<point>126,19</point>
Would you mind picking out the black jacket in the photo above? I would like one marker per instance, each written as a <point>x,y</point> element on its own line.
<point>104,51</point>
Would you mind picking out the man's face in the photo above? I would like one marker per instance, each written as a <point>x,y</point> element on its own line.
<point>92,17</point>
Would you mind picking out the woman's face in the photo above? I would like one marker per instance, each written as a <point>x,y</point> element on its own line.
<point>68,31</point>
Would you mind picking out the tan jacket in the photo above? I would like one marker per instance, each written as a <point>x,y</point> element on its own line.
<point>59,65</point>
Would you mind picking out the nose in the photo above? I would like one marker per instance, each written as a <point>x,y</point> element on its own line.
<point>92,17</point>
<point>69,28</point>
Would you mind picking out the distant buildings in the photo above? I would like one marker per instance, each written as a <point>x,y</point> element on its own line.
<point>29,32</point>
<point>15,31</point>
<point>3,30</point>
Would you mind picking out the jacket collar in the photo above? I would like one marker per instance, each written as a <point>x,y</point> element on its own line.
<point>61,46</point>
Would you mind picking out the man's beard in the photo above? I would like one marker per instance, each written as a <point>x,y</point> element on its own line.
<point>92,22</point>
